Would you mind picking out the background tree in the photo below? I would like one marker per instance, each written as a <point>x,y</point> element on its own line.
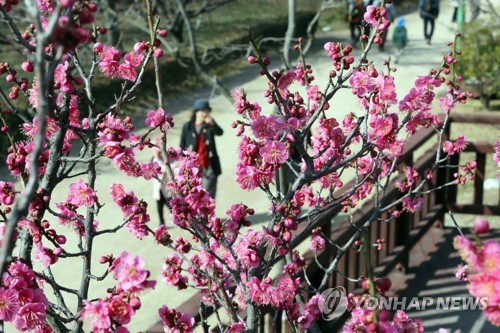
<point>226,258</point>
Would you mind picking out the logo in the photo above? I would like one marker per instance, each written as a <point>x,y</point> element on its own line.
<point>333,303</point>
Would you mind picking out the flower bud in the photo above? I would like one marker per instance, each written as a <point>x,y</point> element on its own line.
<point>252,60</point>
<point>481,226</point>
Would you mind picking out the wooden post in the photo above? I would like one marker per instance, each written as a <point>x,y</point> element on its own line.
<point>479,178</point>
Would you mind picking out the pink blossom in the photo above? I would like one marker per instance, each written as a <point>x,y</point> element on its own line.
<point>80,194</point>
<point>8,304</point>
<point>387,89</point>
<point>274,152</point>
<point>371,15</point>
<point>448,147</point>
<point>460,143</point>
<point>109,64</point>
<point>238,327</point>
<point>490,258</point>
<point>130,273</point>
<point>98,314</point>
<point>176,322</point>
<point>7,193</point>
<point>461,272</point>
<point>414,101</point>
<point>483,285</point>
<point>446,104</point>
<point>150,170</point>
<point>427,82</point>
<point>139,47</point>
<point>481,225</point>
<point>121,310</point>
<point>467,251</point>
<point>286,80</point>
<point>404,324</point>
<point>268,127</point>
<point>46,6</point>
<point>317,244</point>
<point>496,156</point>
<point>260,291</point>
<point>30,316</point>
<point>305,321</point>
<point>63,78</point>
<point>362,84</point>
<point>412,204</point>
<point>127,72</point>
<point>133,58</point>
<point>249,177</point>
<point>492,313</point>
<point>157,118</point>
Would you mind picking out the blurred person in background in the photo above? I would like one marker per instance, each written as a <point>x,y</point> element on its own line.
<point>198,134</point>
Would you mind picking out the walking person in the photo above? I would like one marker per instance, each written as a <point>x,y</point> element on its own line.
<point>454,4</point>
<point>475,9</point>
<point>354,16</point>
<point>429,11</point>
<point>199,135</point>
<point>161,193</point>
<point>399,39</point>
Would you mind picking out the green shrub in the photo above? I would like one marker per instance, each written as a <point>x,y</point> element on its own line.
<point>480,61</point>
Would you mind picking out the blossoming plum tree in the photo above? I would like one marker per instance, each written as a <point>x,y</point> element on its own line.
<point>228,259</point>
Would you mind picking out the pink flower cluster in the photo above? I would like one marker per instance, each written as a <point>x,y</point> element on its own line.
<point>110,65</point>
<point>134,211</point>
<point>172,269</point>
<point>468,169</point>
<point>417,104</point>
<point>192,204</point>
<point>158,118</point>
<point>109,315</point>
<point>113,131</point>
<point>341,56</point>
<point>112,313</point>
<point>496,156</point>
<point>455,147</point>
<point>377,17</point>
<point>483,269</point>
<point>130,273</point>
<point>253,171</point>
<point>64,81</point>
<point>7,193</point>
<point>22,303</point>
<point>363,321</point>
<point>281,296</point>
<point>18,159</point>
<point>176,322</point>
<point>80,194</point>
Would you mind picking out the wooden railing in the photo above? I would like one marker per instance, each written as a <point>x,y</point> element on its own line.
<point>400,235</point>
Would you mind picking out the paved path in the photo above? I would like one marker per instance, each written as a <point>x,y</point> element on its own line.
<point>417,59</point>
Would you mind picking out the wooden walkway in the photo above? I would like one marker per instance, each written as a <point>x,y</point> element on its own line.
<point>431,273</point>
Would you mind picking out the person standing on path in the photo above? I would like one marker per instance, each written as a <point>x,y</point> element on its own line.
<point>429,11</point>
<point>199,135</point>
<point>399,39</point>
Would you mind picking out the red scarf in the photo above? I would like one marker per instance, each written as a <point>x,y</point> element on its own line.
<point>201,149</point>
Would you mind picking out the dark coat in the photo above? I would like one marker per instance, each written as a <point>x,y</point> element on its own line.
<point>188,141</point>
<point>399,38</point>
<point>429,8</point>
